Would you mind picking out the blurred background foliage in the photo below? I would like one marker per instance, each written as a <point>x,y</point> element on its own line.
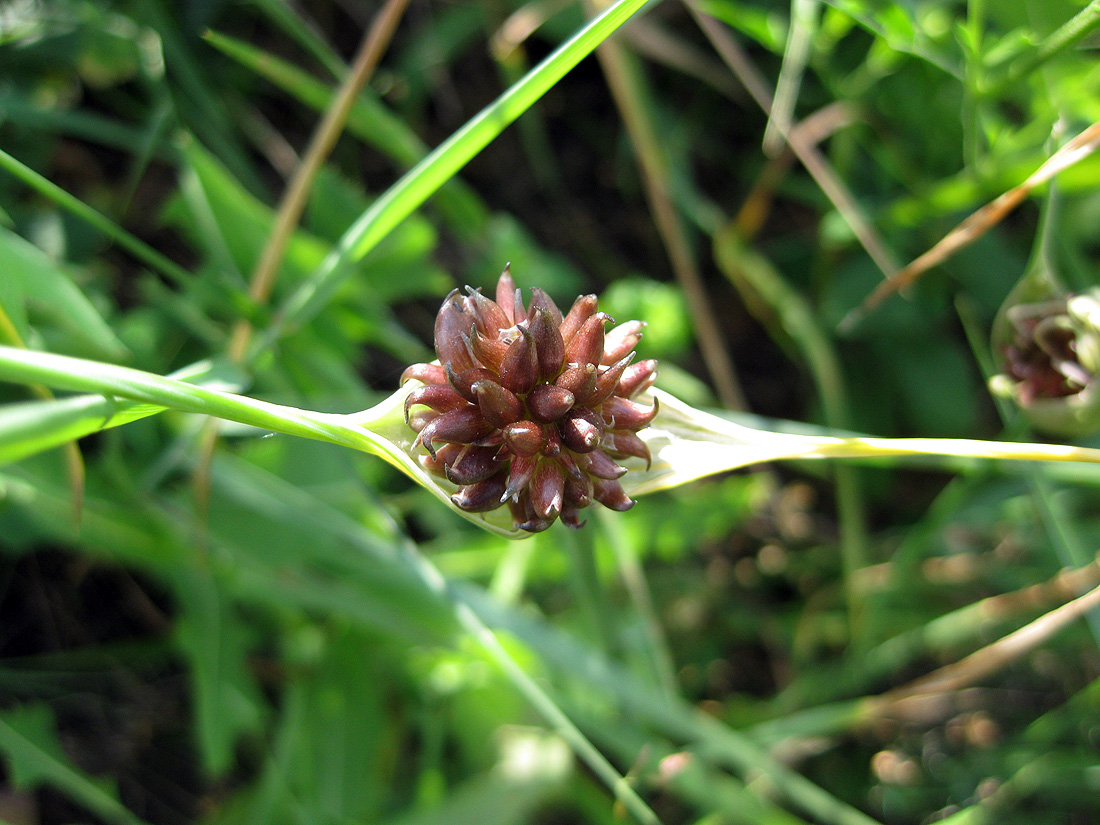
<point>257,649</point>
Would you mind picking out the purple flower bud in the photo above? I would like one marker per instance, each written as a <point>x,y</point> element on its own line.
<point>577,492</point>
<point>470,464</point>
<point>600,464</point>
<point>500,407</point>
<point>482,496</point>
<point>621,340</point>
<point>451,324</point>
<point>627,444</point>
<point>548,489</point>
<point>548,343</point>
<point>531,409</point>
<point>489,352</point>
<point>440,397</point>
<point>525,437</point>
<point>549,403</point>
<point>506,293</point>
<point>519,369</point>
<point>571,516</point>
<point>581,430</point>
<point>488,316</point>
<point>579,379</point>
<point>463,425</point>
<point>463,382</point>
<point>520,474</point>
<point>586,347</point>
<point>610,494</point>
<point>621,414</point>
<point>540,300</point>
<point>583,309</point>
<point>552,449</point>
<point>608,381</point>
<point>637,378</point>
<point>425,374</point>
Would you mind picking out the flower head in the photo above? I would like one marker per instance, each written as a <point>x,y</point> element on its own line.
<point>529,407</point>
<point>1050,352</point>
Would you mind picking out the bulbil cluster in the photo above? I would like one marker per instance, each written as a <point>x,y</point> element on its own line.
<point>529,407</point>
<point>1042,357</point>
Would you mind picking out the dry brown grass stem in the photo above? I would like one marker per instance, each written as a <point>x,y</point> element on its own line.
<point>980,222</point>
<point>293,204</point>
<point>294,200</point>
<point>621,82</point>
<point>929,691</point>
<point>819,169</point>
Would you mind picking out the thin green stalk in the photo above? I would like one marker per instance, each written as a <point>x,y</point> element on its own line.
<point>1080,26</point>
<point>709,739</point>
<point>139,249</point>
<point>29,367</point>
<point>755,277</point>
<point>589,595</point>
<point>293,204</point>
<point>633,576</point>
<point>74,459</point>
<point>804,16</point>
<point>320,146</point>
<point>973,81</point>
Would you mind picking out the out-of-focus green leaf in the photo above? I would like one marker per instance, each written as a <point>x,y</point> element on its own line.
<point>227,700</point>
<point>243,222</point>
<point>46,290</point>
<point>28,740</point>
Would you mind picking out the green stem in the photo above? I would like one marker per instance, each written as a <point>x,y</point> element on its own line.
<point>478,630</point>
<point>1080,26</point>
<point>29,367</point>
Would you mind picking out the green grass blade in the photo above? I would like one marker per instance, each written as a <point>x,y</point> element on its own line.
<point>1076,29</point>
<point>710,738</point>
<point>33,426</point>
<point>421,182</point>
<point>369,120</point>
<point>139,249</point>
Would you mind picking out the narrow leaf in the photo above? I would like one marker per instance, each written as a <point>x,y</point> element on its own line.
<point>52,293</point>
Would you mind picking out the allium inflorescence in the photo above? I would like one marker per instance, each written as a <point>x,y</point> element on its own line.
<point>1043,356</point>
<point>532,408</point>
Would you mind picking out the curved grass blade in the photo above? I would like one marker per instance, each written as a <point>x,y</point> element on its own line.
<point>441,165</point>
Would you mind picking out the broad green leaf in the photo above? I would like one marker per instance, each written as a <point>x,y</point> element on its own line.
<point>243,221</point>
